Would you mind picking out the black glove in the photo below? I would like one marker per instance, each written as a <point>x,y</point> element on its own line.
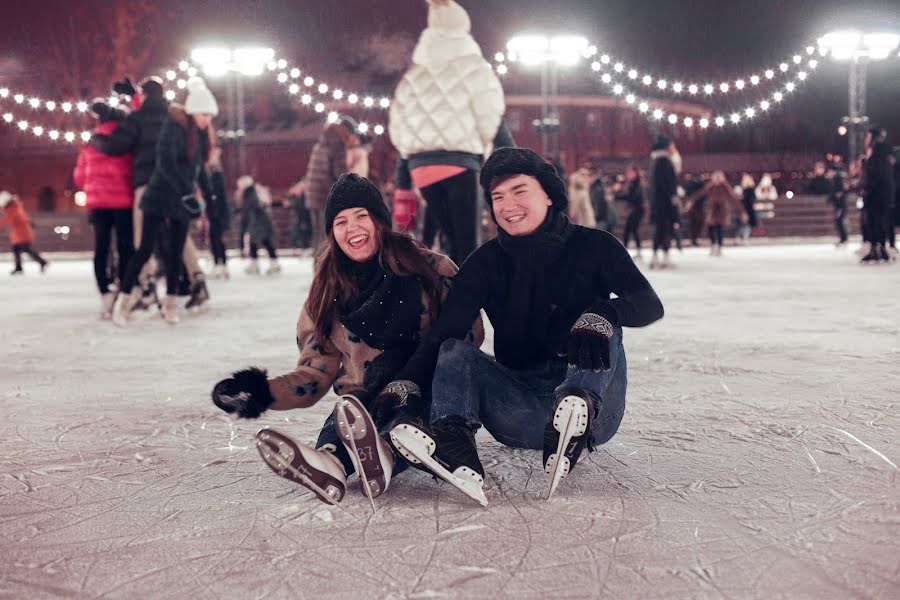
<point>245,392</point>
<point>589,343</point>
<point>191,205</point>
<point>124,87</point>
<point>398,397</point>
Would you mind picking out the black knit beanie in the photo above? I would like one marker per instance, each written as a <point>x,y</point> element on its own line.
<point>505,162</point>
<point>353,191</point>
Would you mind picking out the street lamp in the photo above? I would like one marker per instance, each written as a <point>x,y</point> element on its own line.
<point>248,61</point>
<point>859,49</point>
<point>550,53</point>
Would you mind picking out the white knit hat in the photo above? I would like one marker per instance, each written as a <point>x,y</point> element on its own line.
<point>447,37</point>
<point>5,198</point>
<point>199,99</point>
<point>450,16</point>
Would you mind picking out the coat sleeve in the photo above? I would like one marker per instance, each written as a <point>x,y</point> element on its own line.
<point>78,175</point>
<point>465,299</point>
<point>317,369</point>
<point>206,187</point>
<point>636,303</point>
<point>170,148</point>
<point>122,140</point>
<point>488,104</point>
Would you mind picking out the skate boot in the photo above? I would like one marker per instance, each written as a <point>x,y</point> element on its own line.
<point>148,297</point>
<point>372,456</point>
<point>17,272</point>
<point>170,309</point>
<point>317,470</point>
<point>199,293</point>
<point>253,267</point>
<point>124,306</point>
<point>274,268</point>
<point>447,450</point>
<point>872,257</point>
<point>107,301</point>
<point>567,433</point>
<point>667,262</point>
<point>638,257</point>
<point>654,261</point>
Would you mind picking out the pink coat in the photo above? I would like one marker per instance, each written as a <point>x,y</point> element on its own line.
<point>105,179</point>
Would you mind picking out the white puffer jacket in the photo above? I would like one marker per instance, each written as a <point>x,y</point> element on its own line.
<point>449,99</point>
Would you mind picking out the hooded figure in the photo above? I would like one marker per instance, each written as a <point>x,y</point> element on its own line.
<point>446,116</point>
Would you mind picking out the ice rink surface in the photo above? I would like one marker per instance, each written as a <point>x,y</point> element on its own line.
<point>758,457</point>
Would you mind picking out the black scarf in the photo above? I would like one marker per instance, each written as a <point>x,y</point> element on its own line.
<point>523,332</point>
<point>386,310</point>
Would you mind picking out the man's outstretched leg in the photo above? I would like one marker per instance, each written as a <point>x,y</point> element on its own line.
<point>588,410</point>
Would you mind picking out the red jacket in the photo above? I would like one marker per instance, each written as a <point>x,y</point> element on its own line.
<point>15,216</point>
<point>105,179</point>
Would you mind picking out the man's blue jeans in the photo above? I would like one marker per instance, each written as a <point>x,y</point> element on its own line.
<point>514,405</point>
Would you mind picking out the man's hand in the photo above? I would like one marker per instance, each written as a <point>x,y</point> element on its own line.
<point>589,343</point>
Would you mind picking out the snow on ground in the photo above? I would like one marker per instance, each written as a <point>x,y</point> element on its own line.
<point>758,457</point>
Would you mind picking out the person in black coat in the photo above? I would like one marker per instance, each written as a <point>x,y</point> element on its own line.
<point>819,185</point>
<point>633,195</point>
<point>558,296</point>
<point>663,190</point>
<point>696,217</point>
<point>837,198</point>
<point>169,201</point>
<point>218,214</point>
<point>256,222</point>
<point>878,193</point>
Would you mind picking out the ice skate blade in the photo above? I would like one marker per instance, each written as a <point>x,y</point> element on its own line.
<point>570,420</point>
<point>358,434</point>
<point>417,447</point>
<point>278,455</point>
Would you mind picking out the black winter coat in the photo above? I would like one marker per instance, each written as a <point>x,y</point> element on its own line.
<point>218,211</point>
<point>663,187</point>
<point>633,195</point>
<point>176,175</point>
<point>593,265</point>
<point>137,134</point>
<point>254,217</point>
<point>878,181</point>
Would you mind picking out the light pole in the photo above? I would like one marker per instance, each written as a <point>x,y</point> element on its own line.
<point>550,54</point>
<point>859,49</point>
<point>220,61</point>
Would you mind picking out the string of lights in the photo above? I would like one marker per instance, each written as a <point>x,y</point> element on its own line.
<point>677,85</point>
<point>306,91</point>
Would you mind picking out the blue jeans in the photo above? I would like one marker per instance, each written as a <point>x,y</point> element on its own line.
<point>515,405</point>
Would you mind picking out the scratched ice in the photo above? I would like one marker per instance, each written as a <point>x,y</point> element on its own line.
<point>757,459</point>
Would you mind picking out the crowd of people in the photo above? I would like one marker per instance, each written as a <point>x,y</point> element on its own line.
<point>875,179</point>
<point>677,205</point>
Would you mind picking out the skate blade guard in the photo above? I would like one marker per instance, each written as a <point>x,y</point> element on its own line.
<point>418,448</point>
<point>571,420</point>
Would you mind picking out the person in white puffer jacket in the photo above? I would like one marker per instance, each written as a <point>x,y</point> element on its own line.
<point>446,116</point>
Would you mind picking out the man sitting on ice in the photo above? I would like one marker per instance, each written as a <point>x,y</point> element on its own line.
<point>558,296</point>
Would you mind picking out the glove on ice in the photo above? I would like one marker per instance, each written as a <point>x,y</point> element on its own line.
<point>245,393</point>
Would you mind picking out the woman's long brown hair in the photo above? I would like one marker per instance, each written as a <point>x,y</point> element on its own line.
<point>334,284</point>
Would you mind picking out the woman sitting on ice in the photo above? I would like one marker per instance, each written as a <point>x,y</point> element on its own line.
<point>374,295</point>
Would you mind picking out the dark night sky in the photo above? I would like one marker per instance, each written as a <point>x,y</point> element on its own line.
<point>706,38</point>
